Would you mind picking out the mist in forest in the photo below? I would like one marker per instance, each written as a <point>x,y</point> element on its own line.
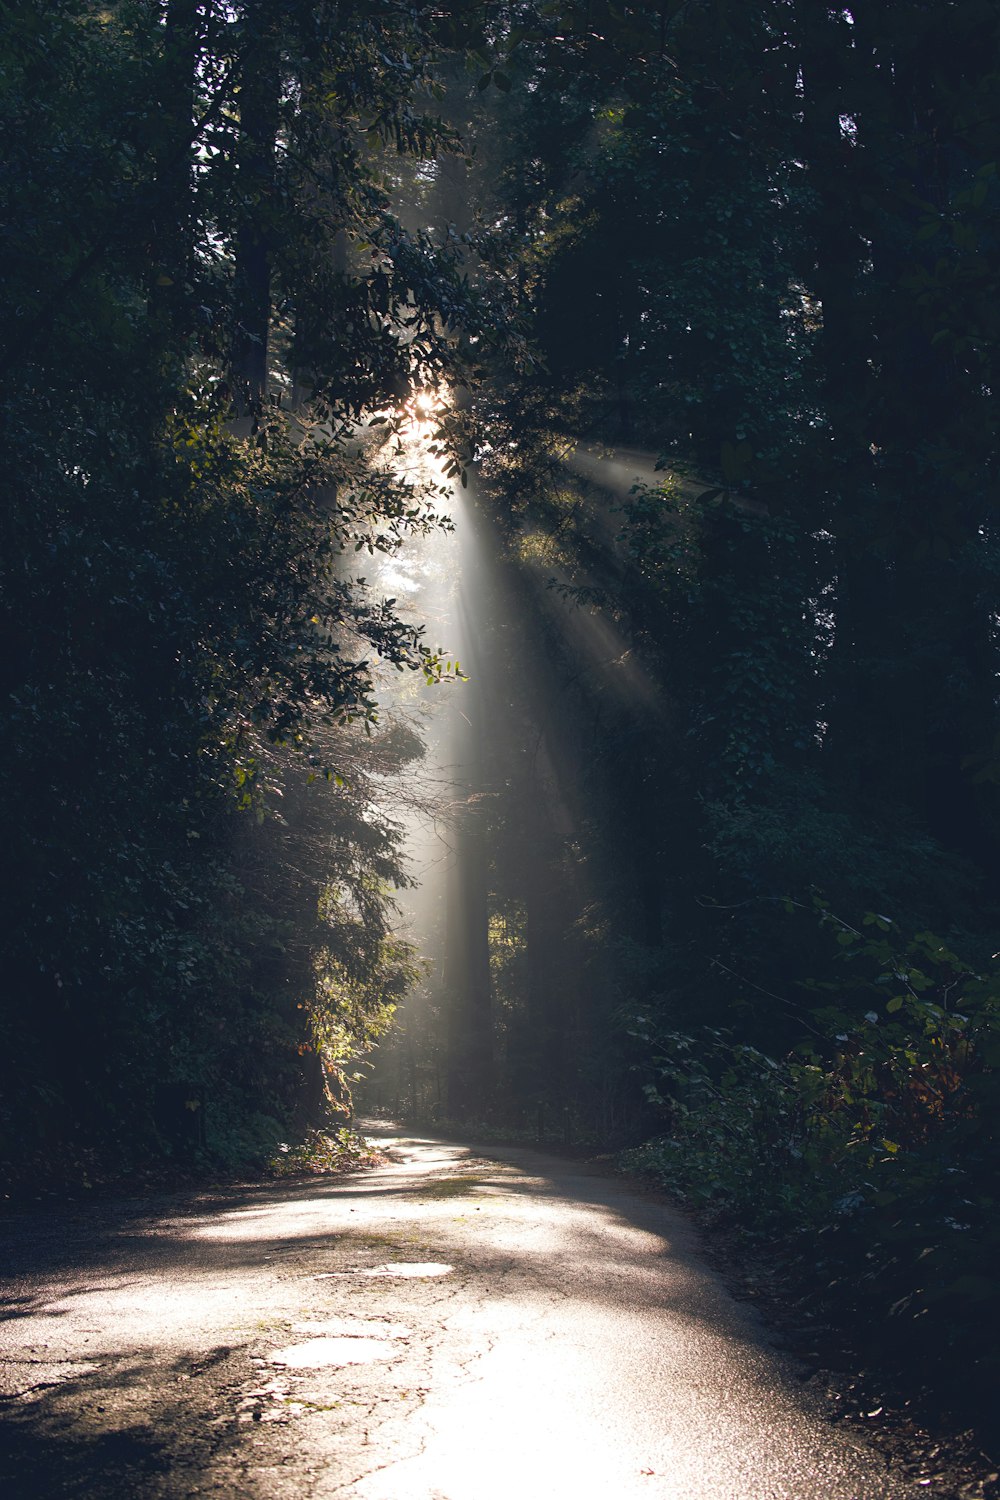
<point>496,825</point>
<point>439,1061</point>
<point>698,853</point>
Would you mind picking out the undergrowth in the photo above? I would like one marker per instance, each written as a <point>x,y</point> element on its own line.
<point>342,1149</point>
<point>865,1158</point>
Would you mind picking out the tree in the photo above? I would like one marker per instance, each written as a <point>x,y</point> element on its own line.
<point>195,217</point>
<point>742,231</point>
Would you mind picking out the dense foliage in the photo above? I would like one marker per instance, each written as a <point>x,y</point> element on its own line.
<point>758,244</point>
<point>205,288</point>
<point>724,808</point>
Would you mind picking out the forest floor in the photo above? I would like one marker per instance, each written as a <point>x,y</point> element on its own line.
<point>448,1326</point>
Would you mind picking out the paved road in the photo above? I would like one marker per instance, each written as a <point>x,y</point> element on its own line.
<point>447,1327</point>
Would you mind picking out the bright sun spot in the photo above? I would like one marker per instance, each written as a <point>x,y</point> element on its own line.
<point>423,407</point>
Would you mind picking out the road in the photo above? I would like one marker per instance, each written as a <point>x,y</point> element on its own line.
<point>446,1327</point>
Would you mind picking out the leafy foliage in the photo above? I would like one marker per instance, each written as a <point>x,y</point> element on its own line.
<point>754,247</point>
<point>870,1149</point>
<point>205,288</point>
<point>337,1151</point>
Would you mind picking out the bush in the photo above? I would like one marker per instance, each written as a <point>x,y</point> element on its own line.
<point>869,1151</point>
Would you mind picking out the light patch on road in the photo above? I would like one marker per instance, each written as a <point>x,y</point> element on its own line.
<point>354,1328</point>
<point>584,1351</point>
<point>317,1353</point>
<point>410,1268</point>
<point>269,1222</point>
<point>399,1268</point>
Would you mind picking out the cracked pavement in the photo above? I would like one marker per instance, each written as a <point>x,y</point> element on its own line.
<point>450,1326</point>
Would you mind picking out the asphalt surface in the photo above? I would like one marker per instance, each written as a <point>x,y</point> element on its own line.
<point>446,1327</point>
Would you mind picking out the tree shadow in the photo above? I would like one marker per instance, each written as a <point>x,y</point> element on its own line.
<point>64,1442</point>
<point>75,1440</point>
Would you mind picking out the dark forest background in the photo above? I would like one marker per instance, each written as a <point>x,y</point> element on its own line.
<point>728,835</point>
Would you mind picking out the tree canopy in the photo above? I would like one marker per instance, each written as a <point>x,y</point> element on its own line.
<point>706,296</point>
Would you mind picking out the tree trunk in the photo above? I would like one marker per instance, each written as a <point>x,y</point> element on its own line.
<point>173,219</point>
<point>259,118</point>
<point>470,1076</point>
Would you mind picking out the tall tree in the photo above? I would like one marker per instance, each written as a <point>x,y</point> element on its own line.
<point>180,614</point>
